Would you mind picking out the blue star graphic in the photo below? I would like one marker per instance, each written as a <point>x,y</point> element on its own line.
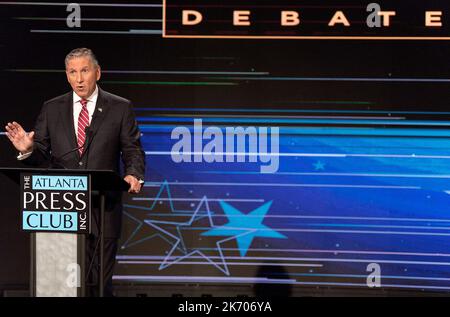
<point>244,227</point>
<point>319,166</point>
<point>241,227</point>
<point>170,228</point>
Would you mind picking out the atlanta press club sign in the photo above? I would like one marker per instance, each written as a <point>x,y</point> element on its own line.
<point>55,203</point>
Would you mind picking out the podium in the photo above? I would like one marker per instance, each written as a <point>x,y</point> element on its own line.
<point>56,209</point>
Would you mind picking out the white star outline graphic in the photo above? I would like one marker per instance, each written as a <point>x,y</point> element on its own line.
<point>167,262</point>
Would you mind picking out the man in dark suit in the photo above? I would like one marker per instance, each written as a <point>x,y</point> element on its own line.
<point>87,128</point>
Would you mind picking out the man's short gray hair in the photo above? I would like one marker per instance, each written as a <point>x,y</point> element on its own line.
<point>82,52</point>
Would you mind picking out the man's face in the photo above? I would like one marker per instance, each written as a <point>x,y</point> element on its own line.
<point>82,75</point>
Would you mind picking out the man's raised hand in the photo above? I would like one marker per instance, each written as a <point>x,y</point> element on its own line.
<point>22,141</point>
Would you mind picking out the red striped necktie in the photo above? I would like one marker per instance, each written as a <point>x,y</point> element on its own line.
<point>83,122</point>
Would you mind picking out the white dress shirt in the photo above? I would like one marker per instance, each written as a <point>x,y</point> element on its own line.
<point>92,102</point>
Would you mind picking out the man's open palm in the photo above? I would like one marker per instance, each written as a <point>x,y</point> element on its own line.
<point>22,141</point>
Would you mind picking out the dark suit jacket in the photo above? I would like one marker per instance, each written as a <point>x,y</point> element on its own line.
<point>114,133</point>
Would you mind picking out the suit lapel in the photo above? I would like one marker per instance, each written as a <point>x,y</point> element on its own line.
<point>100,112</point>
<point>67,120</point>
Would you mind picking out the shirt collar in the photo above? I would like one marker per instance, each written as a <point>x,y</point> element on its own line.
<point>92,98</point>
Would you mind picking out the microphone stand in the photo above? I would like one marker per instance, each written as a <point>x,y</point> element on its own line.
<point>54,162</point>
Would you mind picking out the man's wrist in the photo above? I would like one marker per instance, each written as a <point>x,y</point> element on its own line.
<point>140,180</point>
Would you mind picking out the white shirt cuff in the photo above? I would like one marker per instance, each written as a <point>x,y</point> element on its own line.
<point>23,156</point>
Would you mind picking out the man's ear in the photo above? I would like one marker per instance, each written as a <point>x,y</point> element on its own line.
<point>99,73</point>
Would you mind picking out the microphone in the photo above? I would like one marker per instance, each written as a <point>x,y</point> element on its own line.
<point>87,142</point>
<point>54,160</point>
